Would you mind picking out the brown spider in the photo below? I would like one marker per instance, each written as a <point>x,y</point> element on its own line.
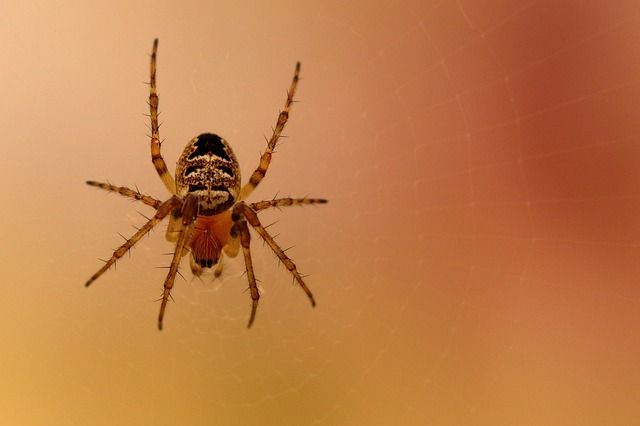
<point>207,214</point>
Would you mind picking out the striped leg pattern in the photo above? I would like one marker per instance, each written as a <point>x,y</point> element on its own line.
<point>243,213</point>
<point>164,209</point>
<point>156,156</point>
<point>127,192</point>
<point>285,202</point>
<point>189,214</point>
<point>265,159</point>
<point>240,229</point>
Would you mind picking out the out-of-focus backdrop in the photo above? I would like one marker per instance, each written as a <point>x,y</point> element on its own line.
<point>478,262</point>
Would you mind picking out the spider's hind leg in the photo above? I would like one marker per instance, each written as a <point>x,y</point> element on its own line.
<point>242,210</point>
<point>242,214</point>
<point>241,230</point>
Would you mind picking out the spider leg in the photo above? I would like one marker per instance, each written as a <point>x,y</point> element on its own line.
<point>127,192</point>
<point>174,226</point>
<point>164,209</point>
<point>265,159</point>
<point>173,270</point>
<point>285,202</point>
<point>189,213</point>
<point>219,266</point>
<point>240,229</point>
<point>156,156</point>
<point>242,212</point>
<point>196,269</point>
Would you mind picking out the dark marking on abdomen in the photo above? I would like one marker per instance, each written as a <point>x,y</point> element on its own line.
<point>191,169</point>
<point>196,187</point>
<point>209,144</point>
<point>226,170</point>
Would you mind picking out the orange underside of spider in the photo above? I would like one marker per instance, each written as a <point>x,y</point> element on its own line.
<point>209,235</point>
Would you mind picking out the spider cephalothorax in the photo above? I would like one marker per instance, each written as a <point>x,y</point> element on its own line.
<point>207,214</point>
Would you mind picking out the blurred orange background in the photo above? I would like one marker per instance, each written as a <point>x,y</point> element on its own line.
<point>477,263</point>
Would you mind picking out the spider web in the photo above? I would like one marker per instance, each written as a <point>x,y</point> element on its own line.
<point>510,259</point>
<point>477,261</point>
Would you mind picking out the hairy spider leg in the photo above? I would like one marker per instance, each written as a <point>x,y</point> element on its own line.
<point>242,213</point>
<point>265,159</point>
<point>189,212</point>
<point>164,209</point>
<point>285,202</point>
<point>241,230</point>
<point>156,156</point>
<point>127,192</point>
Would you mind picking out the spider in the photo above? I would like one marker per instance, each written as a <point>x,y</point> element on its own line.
<point>207,212</point>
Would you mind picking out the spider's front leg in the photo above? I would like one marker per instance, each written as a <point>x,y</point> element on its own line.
<point>265,158</point>
<point>189,214</point>
<point>154,101</point>
<point>242,213</point>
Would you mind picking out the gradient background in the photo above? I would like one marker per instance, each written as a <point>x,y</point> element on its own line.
<point>477,264</point>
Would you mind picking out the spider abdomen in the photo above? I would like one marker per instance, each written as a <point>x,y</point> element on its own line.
<point>208,168</point>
